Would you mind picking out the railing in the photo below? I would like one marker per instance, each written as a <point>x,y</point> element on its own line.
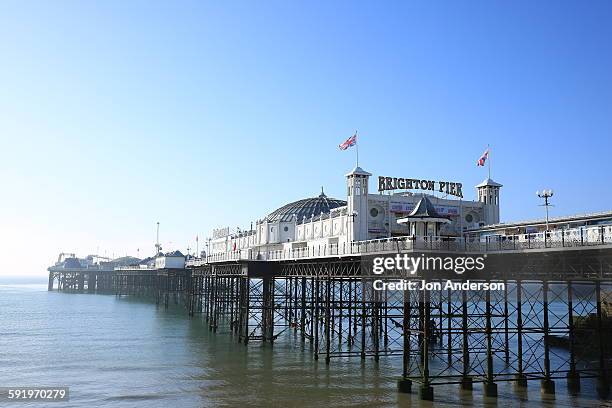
<point>88,268</point>
<point>577,237</point>
<point>135,268</point>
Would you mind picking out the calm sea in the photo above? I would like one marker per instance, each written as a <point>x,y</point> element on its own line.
<point>125,352</point>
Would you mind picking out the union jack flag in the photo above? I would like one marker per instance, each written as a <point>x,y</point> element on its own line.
<point>351,141</point>
<point>483,158</point>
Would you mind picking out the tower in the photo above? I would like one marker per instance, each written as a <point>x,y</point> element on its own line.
<point>488,193</point>
<point>357,204</point>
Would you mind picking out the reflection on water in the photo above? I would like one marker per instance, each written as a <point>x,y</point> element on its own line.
<point>125,352</point>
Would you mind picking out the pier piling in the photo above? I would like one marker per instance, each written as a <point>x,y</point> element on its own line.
<point>441,337</point>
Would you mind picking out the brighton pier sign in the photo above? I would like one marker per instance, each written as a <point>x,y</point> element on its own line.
<point>395,183</point>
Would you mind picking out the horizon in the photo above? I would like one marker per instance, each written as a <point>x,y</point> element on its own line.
<point>199,116</point>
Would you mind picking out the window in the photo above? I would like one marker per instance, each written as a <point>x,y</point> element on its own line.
<point>374,212</point>
<point>286,229</point>
<point>469,218</point>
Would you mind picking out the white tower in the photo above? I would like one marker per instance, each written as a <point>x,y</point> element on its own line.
<point>357,204</point>
<point>488,193</point>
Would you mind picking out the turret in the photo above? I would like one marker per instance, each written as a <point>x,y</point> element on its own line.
<point>357,203</point>
<point>488,193</point>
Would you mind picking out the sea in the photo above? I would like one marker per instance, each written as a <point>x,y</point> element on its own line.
<point>127,352</point>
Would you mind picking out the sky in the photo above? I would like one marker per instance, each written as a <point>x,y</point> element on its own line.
<point>116,115</point>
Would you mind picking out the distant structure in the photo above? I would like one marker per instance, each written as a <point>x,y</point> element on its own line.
<point>71,261</point>
<point>170,260</point>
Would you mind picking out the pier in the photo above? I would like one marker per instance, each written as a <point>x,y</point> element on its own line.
<point>551,322</point>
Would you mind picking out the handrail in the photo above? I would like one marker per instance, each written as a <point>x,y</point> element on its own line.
<point>575,237</point>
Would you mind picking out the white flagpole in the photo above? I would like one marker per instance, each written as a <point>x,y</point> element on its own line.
<point>489,159</point>
<point>357,148</point>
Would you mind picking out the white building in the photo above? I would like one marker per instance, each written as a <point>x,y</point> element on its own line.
<point>323,222</point>
<point>170,260</point>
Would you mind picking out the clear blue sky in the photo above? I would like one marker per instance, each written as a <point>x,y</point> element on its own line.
<point>115,115</point>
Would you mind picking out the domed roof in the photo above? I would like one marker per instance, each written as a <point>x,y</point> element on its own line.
<point>305,208</point>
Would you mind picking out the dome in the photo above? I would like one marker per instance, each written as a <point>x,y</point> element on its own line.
<point>305,208</point>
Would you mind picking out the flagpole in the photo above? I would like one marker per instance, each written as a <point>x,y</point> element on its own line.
<point>489,150</point>
<point>357,148</point>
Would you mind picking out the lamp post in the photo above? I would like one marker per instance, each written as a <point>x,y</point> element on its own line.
<point>545,194</point>
<point>157,245</point>
<point>353,215</point>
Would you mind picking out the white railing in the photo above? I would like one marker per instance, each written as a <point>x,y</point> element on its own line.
<point>577,237</point>
<point>135,268</point>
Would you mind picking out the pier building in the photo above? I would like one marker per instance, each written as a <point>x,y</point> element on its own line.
<point>325,222</point>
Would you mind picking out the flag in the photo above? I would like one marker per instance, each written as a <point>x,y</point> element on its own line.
<point>483,158</point>
<point>351,141</point>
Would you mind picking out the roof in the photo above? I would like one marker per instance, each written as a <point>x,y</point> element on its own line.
<point>147,261</point>
<point>489,182</point>
<point>126,260</point>
<point>604,215</point>
<point>336,212</point>
<point>424,211</point>
<point>359,172</point>
<point>72,263</point>
<point>305,208</point>
<point>175,253</point>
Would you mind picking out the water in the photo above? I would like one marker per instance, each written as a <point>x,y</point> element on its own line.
<point>125,352</point>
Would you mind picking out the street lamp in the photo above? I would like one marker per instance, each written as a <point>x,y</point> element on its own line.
<point>157,245</point>
<point>545,194</point>
<point>353,215</point>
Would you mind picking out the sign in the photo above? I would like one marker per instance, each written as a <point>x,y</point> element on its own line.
<point>394,183</point>
<point>220,233</point>
<point>407,207</point>
<point>450,211</point>
<point>401,207</point>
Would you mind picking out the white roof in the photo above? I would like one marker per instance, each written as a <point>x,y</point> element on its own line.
<point>359,172</point>
<point>489,182</point>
